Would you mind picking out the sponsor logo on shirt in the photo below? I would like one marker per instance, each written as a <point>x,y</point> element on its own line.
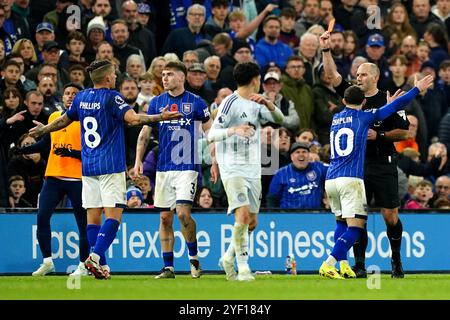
<point>305,189</point>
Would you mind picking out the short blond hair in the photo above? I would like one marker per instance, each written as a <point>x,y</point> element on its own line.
<point>147,76</point>
<point>99,69</point>
<point>237,15</point>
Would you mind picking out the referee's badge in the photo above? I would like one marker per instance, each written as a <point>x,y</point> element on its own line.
<point>311,176</point>
<point>186,108</point>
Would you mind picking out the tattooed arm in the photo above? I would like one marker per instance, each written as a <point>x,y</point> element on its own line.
<point>142,142</point>
<point>139,119</point>
<point>60,123</point>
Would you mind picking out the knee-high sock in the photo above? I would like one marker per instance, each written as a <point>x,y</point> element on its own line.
<point>230,252</point>
<point>345,242</point>
<point>341,227</point>
<point>106,236</point>
<point>92,231</point>
<point>360,247</point>
<point>394,234</point>
<point>240,243</point>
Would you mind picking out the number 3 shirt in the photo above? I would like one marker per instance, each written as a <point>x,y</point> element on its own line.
<point>178,137</point>
<point>100,112</point>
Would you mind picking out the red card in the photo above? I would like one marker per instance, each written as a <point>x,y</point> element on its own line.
<point>331,25</point>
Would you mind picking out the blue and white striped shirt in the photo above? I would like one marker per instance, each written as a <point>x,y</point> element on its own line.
<point>100,112</point>
<point>348,136</point>
<point>178,150</point>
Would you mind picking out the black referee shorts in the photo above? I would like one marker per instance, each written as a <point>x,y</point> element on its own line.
<point>381,182</point>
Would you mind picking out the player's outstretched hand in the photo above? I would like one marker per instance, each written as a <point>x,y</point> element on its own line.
<point>168,115</point>
<point>37,131</point>
<point>423,84</point>
<point>243,130</point>
<point>324,40</point>
<point>397,94</point>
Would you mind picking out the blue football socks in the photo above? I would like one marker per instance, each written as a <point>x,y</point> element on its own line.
<point>341,227</point>
<point>105,237</point>
<point>192,248</point>
<point>168,259</point>
<point>345,242</point>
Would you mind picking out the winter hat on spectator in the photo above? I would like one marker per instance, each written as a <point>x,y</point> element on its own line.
<point>427,64</point>
<point>96,23</point>
<point>45,26</point>
<point>238,44</point>
<point>271,66</point>
<point>134,192</point>
<point>144,8</point>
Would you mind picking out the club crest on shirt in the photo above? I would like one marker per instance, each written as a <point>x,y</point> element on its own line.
<point>186,108</point>
<point>311,175</point>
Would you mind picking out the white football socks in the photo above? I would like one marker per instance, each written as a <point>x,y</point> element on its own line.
<point>48,260</point>
<point>240,243</point>
<point>331,261</point>
<point>230,252</point>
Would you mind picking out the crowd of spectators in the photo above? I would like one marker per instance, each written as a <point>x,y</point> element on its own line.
<point>47,44</point>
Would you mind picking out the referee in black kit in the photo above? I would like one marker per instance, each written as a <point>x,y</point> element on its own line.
<point>380,172</point>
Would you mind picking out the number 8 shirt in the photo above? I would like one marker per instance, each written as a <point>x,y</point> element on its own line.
<point>100,112</point>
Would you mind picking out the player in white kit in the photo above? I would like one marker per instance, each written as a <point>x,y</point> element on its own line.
<point>238,152</point>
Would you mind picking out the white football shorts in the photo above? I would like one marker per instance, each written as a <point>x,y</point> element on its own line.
<point>347,197</point>
<point>243,192</point>
<point>104,191</point>
<point>172,187</point>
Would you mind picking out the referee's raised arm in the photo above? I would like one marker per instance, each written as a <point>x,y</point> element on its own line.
<point>328,63</point>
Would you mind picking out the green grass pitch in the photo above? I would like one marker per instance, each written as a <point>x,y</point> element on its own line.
<point>215,287</point>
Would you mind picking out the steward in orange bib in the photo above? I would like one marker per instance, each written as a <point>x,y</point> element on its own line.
<point>62,178</point>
